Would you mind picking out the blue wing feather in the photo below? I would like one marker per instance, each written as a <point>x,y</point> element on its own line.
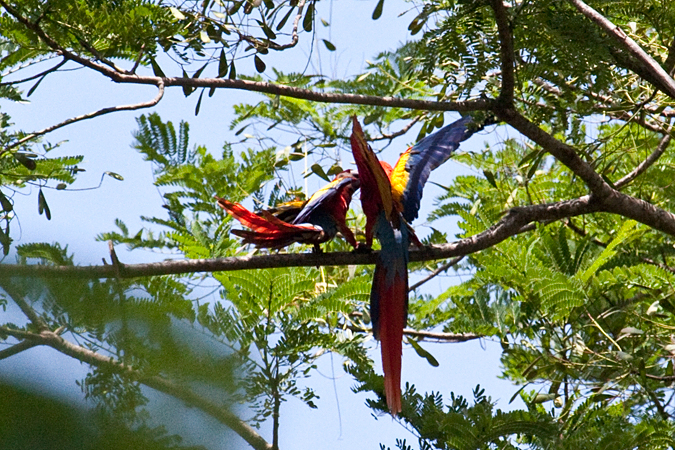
<point>428,154</point>
<point>320,197</point>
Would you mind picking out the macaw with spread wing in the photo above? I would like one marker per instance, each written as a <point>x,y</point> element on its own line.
<point>314,222</point>
<point>390,199</point>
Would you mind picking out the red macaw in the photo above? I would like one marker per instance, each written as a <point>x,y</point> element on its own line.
<point>390,198</point>
<point>318,221</point>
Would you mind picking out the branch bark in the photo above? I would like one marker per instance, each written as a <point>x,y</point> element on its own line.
<point>513,223</point>
<point>646,164</point>
<point>100,112</point>
<point>85,355</point>
<point>661,79</point>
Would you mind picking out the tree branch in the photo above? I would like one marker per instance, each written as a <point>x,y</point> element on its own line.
<point>36,76</point>
<point>85,355</point>
<point>513,223</point>
<point>644,165</point>
<point>436,272</point>
<point>100,112</point>
<point>17,348</point>
<point>26,309</point>
<point>661,79</point>
<point>442,337</point>
<point>506,52</point>
<point>561,151</point>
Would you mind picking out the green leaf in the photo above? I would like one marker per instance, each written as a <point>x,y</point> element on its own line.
<point>490,177</point>
<point>6,204</point>
<point>259,64</point>
<point>156,69</point>
<point>114,175</point>
<point>222,64</point>
<point>199,102</point>
<point>377,13</point>
<point>176,13</point>
<point>329,45</point>
<point>317,169</point>
<point>423,353</point>
<point>43,207</point>
<point>309,17</point>
<point>28,162</point>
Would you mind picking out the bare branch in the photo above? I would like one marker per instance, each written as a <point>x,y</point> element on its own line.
<point>659,77</point>
<point>644,165</point>
<point>17,348</point>
<point>398,133</point>
<point>26,309</point>
<point>436,272</point>
<point>100,112</point>
<point>513,223</point>
<point>36,76</point>
<point>441,337</point>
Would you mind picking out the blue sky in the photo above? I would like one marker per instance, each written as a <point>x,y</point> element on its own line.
<point>342,420</point>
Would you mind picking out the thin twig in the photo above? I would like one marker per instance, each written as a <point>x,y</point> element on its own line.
<point>100,112</point>
<point>36,76</point>
<point>436,272</point>
<point>398,133</point>
<point>647,163</point>
<point>442,337</point>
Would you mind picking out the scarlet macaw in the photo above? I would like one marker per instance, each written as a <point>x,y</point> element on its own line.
<point>318,221</point>
<point>390,199</point>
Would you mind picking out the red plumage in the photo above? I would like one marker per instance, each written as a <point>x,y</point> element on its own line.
<point>319,220</point>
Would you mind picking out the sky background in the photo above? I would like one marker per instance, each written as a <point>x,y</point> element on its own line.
<point>342,419</point>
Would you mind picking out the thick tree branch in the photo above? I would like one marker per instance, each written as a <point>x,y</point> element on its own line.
<point>506,53</point>
<point>646,164</point>
<point>513,223</point>
<point>661,79</point>
<point>561,151</point>
<point>16,348</point>
<point>85,355</point>
<point>100,112</point>
<point>254,86</point>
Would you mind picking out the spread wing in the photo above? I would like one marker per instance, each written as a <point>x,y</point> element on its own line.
<point>414,166</point>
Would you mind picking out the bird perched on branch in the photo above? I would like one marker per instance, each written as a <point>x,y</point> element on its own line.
<point>390,199</point>
<point>315,222</point>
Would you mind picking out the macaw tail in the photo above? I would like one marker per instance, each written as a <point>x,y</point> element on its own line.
<point>267,231</point>
<point>389,310</point>
<point>393,299</point>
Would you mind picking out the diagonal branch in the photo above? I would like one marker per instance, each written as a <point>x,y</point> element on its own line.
<point>660,77</point>
<point>85,355</point>
<point>436,272</point>
<point>17,348</point>
<point>561,151</point>
<point>100,112</point>
<point>646,164</point>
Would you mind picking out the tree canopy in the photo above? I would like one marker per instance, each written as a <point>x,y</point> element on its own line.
<point>566,237</point>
